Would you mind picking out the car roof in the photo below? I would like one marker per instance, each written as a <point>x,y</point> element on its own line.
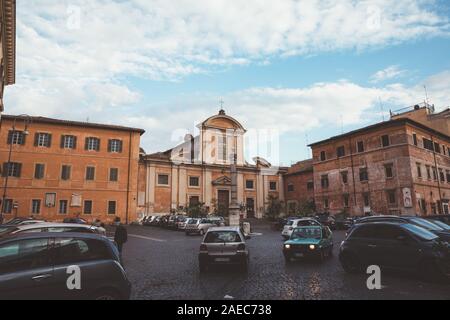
<point>226,228</point>
<point>54,225</point>
<point>42,235</point>
<point>391,223</point>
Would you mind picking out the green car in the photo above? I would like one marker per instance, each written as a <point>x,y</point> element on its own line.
<point>309,241</point>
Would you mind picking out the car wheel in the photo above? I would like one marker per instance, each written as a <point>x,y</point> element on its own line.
<point>107,295</point>
<point>350,263</point>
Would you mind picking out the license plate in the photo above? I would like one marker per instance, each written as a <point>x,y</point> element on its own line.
<point>222,259</point>
<point>299,255</point>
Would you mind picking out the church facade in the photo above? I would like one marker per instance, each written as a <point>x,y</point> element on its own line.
<point>197,171</point>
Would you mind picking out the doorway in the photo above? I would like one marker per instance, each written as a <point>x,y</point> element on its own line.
<point>223,202</point>
<point>250,205</point>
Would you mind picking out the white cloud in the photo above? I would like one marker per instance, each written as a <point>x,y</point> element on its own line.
<point>388,73</point>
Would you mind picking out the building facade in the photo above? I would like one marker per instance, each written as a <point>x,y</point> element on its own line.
<point>197,171</point>
<point>60,169</point>
<point>400,166</point>
<point>299,188</point>
<point>8,45</point>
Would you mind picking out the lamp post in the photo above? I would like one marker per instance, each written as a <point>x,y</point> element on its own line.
<point>27,121</point>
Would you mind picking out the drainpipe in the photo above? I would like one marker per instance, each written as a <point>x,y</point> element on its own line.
<point>128,181</point>
<point>437,174</point>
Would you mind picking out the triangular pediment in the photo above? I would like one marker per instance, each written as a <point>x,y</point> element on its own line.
<point>222,181</point>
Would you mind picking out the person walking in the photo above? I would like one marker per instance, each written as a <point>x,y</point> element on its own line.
<point>121,235</point>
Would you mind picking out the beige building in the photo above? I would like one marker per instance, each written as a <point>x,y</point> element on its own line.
<point>198,171</point>
<point>8,45</point>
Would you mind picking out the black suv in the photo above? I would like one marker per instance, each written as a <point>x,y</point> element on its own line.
<point>426,224</point>
<point>38,266</point>
<point>400,246</point>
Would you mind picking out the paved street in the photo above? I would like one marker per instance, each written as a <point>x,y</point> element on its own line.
<point>162,264</point>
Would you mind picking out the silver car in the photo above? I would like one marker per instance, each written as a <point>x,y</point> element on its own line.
<point>223,246</point>
<point>50,227</point>
<point>201,225</point>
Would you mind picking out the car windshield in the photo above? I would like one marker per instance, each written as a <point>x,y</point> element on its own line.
<point>426,224</point>
<point>441,224</point>
<point>290,222</point>
<point>420,232</point>
<point>193,221</point>
<point>222,237</point>
<point>306,233</point>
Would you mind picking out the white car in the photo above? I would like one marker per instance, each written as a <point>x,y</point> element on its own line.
<point>51,227</point>
<point>292,224</point>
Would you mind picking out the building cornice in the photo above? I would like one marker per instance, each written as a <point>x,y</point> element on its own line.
<point>9,39</point>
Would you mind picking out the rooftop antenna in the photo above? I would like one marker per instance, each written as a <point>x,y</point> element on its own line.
<point>381,108</point>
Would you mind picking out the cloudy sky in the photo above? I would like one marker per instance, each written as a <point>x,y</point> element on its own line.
<point>304,70</point>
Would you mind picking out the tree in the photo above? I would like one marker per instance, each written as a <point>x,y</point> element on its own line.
<point>197,210</point>
<point>306,208</point>
<point>274,207</point>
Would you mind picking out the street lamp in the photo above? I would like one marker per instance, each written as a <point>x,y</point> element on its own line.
<point>27,120</point>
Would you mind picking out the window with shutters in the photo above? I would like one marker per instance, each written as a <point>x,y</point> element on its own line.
<point>90,173</point>
<point>16,137</point>
<point>113,174</point>
<point>8,206</point>
<point>437,147</point>
<point>112,207</point>
<point>35,206</point>
<point>273,186</point>
<point>12,169</point>
<point>363,174</point>
<point>323,156</point>
<point>39,169</point>
<point>389,170</point>
<point>43,139</point>
<point>114,145</point>
<point>441,175</point>
<point>194,181</point>
<point>65,172</point>
<point>87,207</point>
<point>385,141</point>
<point>346,201</point>
<point>391,197</point>
<point>428,144</point>
<point>63,204</point>
<point>415,139</point>
<point>92,144</point>
<point>419,170</point>
<point>249,184</point>
<point>340,151</point>
<point>68,142</point>
<point>360,146</point>
<point>290,187</point>
<point>163,179</point>
<point>324,181</point>
<point>344,176</point>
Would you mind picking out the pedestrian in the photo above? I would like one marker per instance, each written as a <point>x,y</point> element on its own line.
<point>121,234</point>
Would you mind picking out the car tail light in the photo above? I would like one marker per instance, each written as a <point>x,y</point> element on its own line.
<point>241,247</point>
<point>203,247</point>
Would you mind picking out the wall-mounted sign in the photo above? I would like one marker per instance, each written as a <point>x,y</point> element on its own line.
<point>407,198</point>
<point>50,199</point>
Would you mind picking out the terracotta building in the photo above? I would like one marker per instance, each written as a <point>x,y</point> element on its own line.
<point>8,45</point>
<point>400,166</point>
<point>62,168</point>
<point>299,187</point>
<point>198,171</point>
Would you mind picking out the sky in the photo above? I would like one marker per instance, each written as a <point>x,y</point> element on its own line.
<point>292,72</point>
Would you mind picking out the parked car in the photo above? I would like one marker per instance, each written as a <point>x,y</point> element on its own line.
<point>344,223</point>
<point>35,266</point>
<point>391,245</point>
<point>182,222</point>
<point>148,221</point>
<point>445,218</point>
<point>75,220</point>
<point>311,241</point>
<point>163,222</point>
<point>326,220</point>
<point>200,226</point>
<point>292,224</point>
<point>6,231</point>
<point>223,245</point>
<point>22,221</point>
<point>430,226</point>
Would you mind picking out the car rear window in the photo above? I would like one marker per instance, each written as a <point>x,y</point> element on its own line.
<point>426,224</point>
<point>420,232</point>
<point>71,250</point>
<point>222,237</point>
